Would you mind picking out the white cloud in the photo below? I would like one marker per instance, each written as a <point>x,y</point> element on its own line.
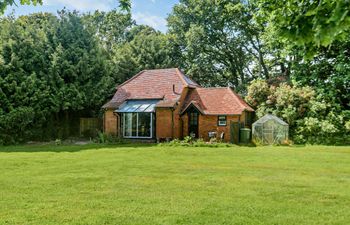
<point>156,22</point>
<point>82,5</point>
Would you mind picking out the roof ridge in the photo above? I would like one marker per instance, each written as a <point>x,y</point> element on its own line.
<point>142,71</point>
<point>173,68</point>
<point>132,78</point>
<point>212,87</point>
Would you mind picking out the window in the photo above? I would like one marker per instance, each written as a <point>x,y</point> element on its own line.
<point>127,124</point>
<point>137,125</point>
<point>193,118</point>
<point>222,120</point>
<point>144,124</point>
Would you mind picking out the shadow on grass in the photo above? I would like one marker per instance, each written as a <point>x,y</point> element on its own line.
<point>70,148</point>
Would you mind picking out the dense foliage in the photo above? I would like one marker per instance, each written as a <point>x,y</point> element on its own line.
<point>217,42</point>
<point>294,55</point>
<point>55,69</point>
<point>5,3</point>
<point>145,48</point>
<point>306,23</point>
<point>311,116</point>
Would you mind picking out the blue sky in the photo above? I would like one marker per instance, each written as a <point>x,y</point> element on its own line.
<point>149,12</point>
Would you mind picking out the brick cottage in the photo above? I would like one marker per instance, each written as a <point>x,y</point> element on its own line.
<point>165,104</point>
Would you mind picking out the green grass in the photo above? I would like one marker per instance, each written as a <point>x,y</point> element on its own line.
<point>145,184</point>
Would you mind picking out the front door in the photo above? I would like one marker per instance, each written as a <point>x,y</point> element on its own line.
<point>193,124</point>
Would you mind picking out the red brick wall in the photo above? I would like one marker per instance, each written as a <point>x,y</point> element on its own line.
<point>163,123</point>
<point>164,120</point>
<point>185,125</point>
<point>210,124</point>
<point>110,122</point>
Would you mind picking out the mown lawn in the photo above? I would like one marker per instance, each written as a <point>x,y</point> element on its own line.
<point>145,184</point>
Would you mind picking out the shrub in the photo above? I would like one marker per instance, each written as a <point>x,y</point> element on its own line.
<point>191,142</point>
<point>311,117</point>
<point>58,142</point>
<point>15,125</point>
<point>199,143</point>
<point>188,140</point>
<point>104,138</point>
<point>258,92</point>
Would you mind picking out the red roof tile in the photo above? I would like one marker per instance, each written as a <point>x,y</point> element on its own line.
<point>152,84</point>
<point>216,101</point>
<point>167,103</point>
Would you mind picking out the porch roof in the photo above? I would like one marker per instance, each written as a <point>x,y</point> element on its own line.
<point>138,106</point>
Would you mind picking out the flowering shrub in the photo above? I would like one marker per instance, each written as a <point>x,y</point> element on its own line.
<point>311,118</point>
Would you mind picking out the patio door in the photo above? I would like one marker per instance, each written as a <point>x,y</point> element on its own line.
<point>193,123</point>
<point>138,118</point>
<point>137,125</point>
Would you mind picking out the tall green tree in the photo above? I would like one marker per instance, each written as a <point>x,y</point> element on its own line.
<point>25,50</point>
<point>125,5</point>
<point>145,49</point>
<point>109,27</point>
<point>5,3</point>
<point>328,72</point>
<point>218,42</point>
<point>306,23</point>
<point>55,69</point>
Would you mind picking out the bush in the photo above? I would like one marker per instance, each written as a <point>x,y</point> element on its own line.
<point>15,125</point>
<point>191,142</point>
<point>311,117</point>
<point>104,138</point>
<point>58,142</point>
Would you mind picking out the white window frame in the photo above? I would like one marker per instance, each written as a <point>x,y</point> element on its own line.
<point>137,126</point>
<point>222,123</point>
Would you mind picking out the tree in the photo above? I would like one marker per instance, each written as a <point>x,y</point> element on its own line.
<point>306,23</point>
<point>218,42</point>
<point>328,72</point>
<point>55,69</point>
<point>109,27</point>
<point>125,5</point>
<point>145,49</point>
<point>5,3</point>
<point>24,52</point>
<point>309,41</point>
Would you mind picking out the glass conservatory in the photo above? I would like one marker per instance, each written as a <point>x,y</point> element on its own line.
<point>138,118</point>
<point>269,130</point>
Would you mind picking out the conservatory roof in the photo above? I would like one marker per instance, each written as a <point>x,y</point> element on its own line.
<point>268,117</point>
<point>147,105</point>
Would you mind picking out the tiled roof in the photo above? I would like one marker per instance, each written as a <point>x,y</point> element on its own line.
<point>152,84</point>
<point>167,103</point>
<point>216,101</point>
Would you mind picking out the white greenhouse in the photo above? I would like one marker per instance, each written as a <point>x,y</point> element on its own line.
<point>269,130</point>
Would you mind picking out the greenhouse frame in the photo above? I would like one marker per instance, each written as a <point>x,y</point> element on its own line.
<point>269,130</point>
